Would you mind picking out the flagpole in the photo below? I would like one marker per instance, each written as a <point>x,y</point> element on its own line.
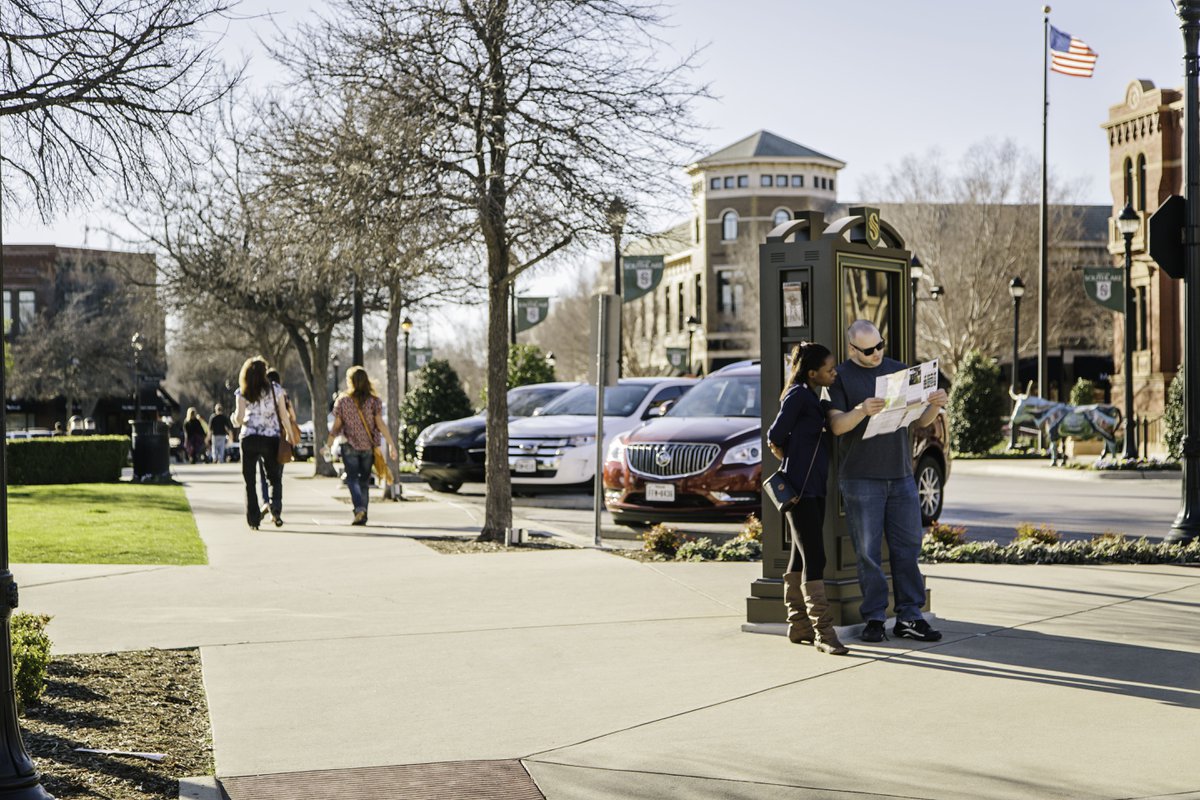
<point>1043,283</point>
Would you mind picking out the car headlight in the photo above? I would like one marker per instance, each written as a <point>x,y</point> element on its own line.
<point>580,441</point>
<point>748,453</point>
<point>616,450</point>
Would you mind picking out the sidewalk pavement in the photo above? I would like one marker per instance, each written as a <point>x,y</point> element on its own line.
<point>328,647</point>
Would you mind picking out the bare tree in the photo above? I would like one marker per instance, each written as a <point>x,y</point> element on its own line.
<point>975,228</point>
<point>97,88</point>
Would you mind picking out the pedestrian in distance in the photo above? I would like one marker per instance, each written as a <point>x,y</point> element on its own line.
<point>878,488</point>
<point>219,428</point>
<point>358,418</point>
<point>797,438</point>
<point>260,412</point>
<point>195,433</point>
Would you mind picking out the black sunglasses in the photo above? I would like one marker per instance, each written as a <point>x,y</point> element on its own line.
<point>866,351</point>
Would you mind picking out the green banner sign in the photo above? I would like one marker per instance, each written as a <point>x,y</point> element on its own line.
<point>418,357</point>
<point>642,274</point>
<point>1105,286</point>
<point>677,358</point>
<point>531,311</point>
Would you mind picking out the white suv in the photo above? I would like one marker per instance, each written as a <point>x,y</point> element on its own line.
<point>557,448</point>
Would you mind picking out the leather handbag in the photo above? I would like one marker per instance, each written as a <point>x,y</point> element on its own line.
<point>380,465</point>
<point>779,489</point>
<point>284,454</point>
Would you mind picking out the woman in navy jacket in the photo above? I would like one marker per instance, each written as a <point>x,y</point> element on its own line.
<point>798,438</point>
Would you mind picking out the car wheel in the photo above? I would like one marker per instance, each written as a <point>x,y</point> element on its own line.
<point>447,487</point>
<point>931,486</point>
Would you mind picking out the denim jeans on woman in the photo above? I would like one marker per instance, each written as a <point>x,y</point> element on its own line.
<point>358,475</point>
<point>879,509</point>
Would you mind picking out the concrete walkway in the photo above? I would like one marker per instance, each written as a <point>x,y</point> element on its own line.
<point>329,647</point>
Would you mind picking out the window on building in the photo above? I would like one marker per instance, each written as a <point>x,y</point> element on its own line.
<point>729,226</point>
<point>766,180</point>
<point>743,181</point>
<point>666,305</point>
<point>798,181</point>
<point>26,310</point>
<point>714,183</point>
<point>696,229</point>
<point>1128,171</point>
<point>679,315</point>
<point>1143,312</point>
<point>726,301</point>
<point>7,311</point>
<point>831,184</point>
<point>781,216</point>
<point>1141,183</point>
<point>698,298</point>
<point>729,182</point>
<point>781,180</point>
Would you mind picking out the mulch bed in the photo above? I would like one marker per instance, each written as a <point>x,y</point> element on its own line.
<point>147,701</point>
<point>456,545</point>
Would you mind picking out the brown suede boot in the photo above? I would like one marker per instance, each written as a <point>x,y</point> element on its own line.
<point>825,638</point>
<point>800,630</point>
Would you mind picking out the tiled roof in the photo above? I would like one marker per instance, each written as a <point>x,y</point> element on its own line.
<point>765,144</point>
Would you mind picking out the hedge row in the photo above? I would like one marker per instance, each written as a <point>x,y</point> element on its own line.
<point>1101,550</point>
<point>67,459</point>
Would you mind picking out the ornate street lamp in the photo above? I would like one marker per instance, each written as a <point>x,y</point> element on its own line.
<point>1016,288</point>
<point>916,271</point>
<point>1128,224</point>
<point>693,325</point>
<point>337,365</point>
<point>617,214</point>
<point>406,325</point>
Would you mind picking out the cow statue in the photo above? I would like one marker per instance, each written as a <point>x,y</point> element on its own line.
<point>1061,420</point>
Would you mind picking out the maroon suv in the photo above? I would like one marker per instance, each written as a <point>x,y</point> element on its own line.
<point>702,461</point>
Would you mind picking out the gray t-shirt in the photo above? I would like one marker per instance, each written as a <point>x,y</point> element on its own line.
<point>886,457</point>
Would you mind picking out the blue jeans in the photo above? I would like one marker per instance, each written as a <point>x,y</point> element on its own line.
<point>886,509</point>
<point>358,476</point>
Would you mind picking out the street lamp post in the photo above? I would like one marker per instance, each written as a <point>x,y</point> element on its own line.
<point>337,365</point>
<point>1016,288</point>
<point>137,345</point>
<point>406,325</point>
<point>1187,523</point>
<point>693,325</point>
<point>618,212</point>
<point>916,271</point>
<point>1128,224</point>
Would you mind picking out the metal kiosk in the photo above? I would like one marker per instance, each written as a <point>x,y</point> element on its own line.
<point>815,279</point>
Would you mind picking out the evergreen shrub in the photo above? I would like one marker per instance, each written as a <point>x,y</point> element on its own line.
<point>438,397</point>
<point>527,364</point>
<point>1173,417</point>
<point>67,459</point>
<point>978,405</point>
<point>31,656</point>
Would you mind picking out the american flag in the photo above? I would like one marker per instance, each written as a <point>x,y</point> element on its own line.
<point>1070,56</point>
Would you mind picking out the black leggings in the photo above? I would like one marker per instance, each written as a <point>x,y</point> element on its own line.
<point>806,524</point>
<point>265,449</point>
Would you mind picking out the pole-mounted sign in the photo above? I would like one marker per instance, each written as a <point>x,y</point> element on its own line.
<point>677,358</point>
<point>642,276</point>
<point>531,311</point>
<point>418,357</point>
<point>1105,286</point>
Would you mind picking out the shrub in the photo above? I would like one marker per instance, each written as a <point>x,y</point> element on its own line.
<point>662,539</point>
<point>1038,534</point>
<point>701,549</point>
<point>527,364</point>
<point>31,656</point>
<point>437,398</point>
<point>1106,549</point>
<point>752,529</point>
<point>740,549</point>
<point>977,405</point>
<point>67,459</point>
<point>1083,393</point>
<point>1173,417</point>
<point>946,535</point>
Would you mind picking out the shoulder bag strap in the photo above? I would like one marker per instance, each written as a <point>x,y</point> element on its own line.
<point>366,427</point>
<point>275,405</point>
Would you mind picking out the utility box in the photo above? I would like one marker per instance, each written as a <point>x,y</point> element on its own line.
<point>815,279</point>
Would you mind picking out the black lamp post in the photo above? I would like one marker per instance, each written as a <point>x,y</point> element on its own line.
<point>1187,523</point>
<point>1128,224</point>
<point>1016,288</point>
<point>406,325</point>
<point>693,325</point>
<point>137,345</point>
<point>916,271</point>
<point>337,365</point>
<point>618,212</point>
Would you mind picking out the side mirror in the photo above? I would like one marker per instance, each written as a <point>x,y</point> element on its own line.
<point>659,410</point>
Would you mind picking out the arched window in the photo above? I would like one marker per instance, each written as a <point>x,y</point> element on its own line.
<point>1128,180</point>
<point>729,226</point>
<point>1141,182</point>
<point>781,216</point>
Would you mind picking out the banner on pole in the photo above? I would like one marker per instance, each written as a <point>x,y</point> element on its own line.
<point>418,357</point>
<point>641,276</point>
<point>677,358</point>
<point>531,311</point>
<point>1105,286</point>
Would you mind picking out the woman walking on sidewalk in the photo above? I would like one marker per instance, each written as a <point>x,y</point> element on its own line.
<point>259,413</point>
<point>358,416</point>
<point>797,436</point>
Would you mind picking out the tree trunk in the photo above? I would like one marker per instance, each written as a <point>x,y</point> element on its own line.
<point>498,507</point>
<point>391,350</point>
<point>314,361</point>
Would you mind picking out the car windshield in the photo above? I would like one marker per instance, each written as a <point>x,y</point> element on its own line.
<point>523,401</point>
<point>619,401</point>
<point>721,397</point>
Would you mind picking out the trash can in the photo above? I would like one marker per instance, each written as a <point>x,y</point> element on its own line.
<point>151,450</point>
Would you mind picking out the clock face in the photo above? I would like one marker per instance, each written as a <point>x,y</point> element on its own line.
<point>1134,96</point>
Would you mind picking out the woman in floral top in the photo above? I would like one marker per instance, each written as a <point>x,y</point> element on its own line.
<point>358,416</point>
<point>260,407</point>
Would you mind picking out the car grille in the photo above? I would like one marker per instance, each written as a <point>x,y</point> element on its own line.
<point>669,459</point>
<point>542,448</point>
<point>441,454</point>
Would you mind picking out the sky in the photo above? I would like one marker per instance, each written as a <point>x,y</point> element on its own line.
<point>866,81</point>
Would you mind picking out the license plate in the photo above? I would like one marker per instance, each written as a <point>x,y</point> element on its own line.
<point>525,465</point>
<point>660,492</point>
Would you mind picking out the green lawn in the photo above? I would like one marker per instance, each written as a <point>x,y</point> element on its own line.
<point>102,523</point>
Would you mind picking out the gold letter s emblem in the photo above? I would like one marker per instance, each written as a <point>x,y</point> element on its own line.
<point>873,227</point>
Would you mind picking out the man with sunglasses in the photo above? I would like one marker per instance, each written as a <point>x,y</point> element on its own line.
<point>878,488</point>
